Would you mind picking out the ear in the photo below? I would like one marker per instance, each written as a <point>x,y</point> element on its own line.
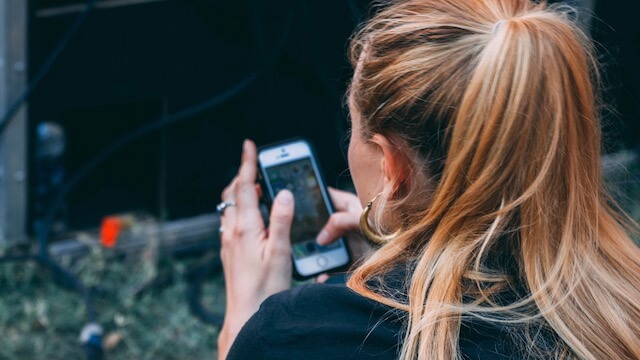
<point>392,163</point>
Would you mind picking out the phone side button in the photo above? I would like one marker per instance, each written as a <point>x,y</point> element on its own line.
<point>322,261</point>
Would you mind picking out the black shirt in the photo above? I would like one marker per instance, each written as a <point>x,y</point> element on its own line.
<point>321,321</point>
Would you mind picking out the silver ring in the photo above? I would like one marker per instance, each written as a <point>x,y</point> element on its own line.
<point>220,230</point>
<point>224,205</point>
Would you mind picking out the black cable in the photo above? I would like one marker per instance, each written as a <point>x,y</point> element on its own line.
<point>44,229</point>
<point>91,334</point>
<point>93,345</point>
<point>158,124</point>
<point>93,342</point>
<point>130,137</point>
<point>195,276</point>
<point>43,232</point>
<point>46,66</point>
<point>67,279</point>
<point>212,265</point>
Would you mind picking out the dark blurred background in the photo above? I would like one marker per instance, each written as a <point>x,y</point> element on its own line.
<point>134,62</point>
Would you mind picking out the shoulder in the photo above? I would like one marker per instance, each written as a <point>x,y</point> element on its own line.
<point>320,321</point>
<point>317,299</point>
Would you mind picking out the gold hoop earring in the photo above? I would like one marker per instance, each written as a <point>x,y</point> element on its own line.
<point>368,232</point>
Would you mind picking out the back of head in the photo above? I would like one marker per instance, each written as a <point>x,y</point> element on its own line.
<point>494,103</point>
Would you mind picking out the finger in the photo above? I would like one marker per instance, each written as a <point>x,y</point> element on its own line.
<point>228,195</point>
<point>344,200</point>
<point>338,225</point>
<point>322,278</point>
<point>246,195</point>
<point>279,243</point>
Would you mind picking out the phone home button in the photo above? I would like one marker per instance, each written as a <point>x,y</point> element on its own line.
<point>322,261</point>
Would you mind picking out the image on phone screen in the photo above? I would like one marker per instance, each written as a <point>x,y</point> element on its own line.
<point>311,213</point>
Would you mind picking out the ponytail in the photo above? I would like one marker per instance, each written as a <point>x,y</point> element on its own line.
<point>495,103</point>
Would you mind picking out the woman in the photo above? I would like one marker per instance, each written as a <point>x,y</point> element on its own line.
<point>475,126</point>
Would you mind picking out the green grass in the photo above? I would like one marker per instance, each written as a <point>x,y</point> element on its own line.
<point>40,320</point>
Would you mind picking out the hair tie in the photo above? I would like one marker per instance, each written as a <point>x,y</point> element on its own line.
<point>497,26</point>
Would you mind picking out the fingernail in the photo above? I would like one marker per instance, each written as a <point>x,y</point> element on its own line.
<point>285,197</point>
<point>245,144</point>
<point>323,237</point>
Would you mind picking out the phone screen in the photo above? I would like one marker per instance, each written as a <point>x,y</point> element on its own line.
<point>311,213</point>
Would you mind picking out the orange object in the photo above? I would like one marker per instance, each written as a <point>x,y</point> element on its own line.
<point>110,230</point>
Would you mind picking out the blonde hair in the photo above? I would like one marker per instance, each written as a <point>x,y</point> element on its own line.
<point>494,103</point>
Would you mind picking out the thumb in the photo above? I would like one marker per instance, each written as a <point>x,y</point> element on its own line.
<point>280,222</point>
<point>339,225</point>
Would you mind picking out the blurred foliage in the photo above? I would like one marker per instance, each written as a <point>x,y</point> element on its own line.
<point>41,320</point>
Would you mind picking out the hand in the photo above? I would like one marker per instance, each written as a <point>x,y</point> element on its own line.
<point>345,222</point>
<point>256,261</point>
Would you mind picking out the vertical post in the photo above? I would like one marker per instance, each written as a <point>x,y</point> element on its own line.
<point>13,143</point>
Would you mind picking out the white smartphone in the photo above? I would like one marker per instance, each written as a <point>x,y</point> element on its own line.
<point>292,165</point>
